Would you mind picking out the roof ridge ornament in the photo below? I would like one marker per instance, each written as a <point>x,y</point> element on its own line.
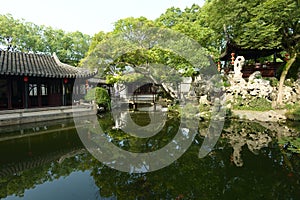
<point>58,62</point>
<point>80,72</point>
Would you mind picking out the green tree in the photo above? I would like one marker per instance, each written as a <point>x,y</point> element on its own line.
<point>72,47</point>
<point>191,22</point>
<point>138,43</point>
<point>19,35</point>
<point>89,59</point>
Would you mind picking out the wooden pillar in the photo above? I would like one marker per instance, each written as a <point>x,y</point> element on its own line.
<point>135,107</point>
<point>9,93</point>
<point>64,84</point>
<point>26,95</point>
<point>63,93</point>
<point>154,102</point>
<point>39,93</point>
<point>26,92</point>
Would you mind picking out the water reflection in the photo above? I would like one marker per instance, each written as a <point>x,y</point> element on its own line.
<point>262,169</point>
<point>241,134</point>
<point>139,124</point>
<point>129,149</point>
<point>254,135</point>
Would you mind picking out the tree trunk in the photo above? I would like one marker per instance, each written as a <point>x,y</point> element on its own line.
<point>165,87</point>
<point>170,91</point>
<point>282,79</point>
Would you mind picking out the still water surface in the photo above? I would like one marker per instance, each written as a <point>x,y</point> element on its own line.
<point>49,161</point>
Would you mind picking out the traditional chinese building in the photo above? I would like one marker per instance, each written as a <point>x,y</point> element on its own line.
<point>267,69</point>
<point>32,80</point>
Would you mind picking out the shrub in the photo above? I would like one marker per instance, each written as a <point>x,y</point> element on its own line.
<point>293,112</point>
<point>289,82</point>
<point>258,76</point>
<point>256,104</point>
<point>273,81</point>
<point>99,95</point>
<point>290,144</point>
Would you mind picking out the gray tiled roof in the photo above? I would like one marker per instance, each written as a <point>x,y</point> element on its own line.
<point>28,64</point>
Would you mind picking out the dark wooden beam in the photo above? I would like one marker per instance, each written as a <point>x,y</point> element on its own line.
<point>9,93</point>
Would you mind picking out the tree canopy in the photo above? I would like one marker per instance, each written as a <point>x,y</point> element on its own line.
<point>191,22</point>
<point>256,24</point>
<point>19,35</point>
<point>139,43</point>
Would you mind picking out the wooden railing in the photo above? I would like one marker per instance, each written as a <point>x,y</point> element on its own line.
<point>266,69</point>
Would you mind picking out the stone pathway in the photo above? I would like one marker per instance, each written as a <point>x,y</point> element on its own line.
<point>263,116</point>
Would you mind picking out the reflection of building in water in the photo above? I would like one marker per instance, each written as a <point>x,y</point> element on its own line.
<point>150,123</point>
<point>120,120</point>
<point>36,145</point>
<point>34,128</point>
<point>60,156</point>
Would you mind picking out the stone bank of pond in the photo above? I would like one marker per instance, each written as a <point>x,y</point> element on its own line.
<point>248,162</point>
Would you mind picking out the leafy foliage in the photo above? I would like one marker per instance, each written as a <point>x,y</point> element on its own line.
<point>255,104</point>
<point>290,144</point>
<point>256,24</point>
<point>273,81</point>
<point>139,45</point>
<point>294,113</point>
<point>99,95</point>
<point>19,35</point>
<point>191,22</point>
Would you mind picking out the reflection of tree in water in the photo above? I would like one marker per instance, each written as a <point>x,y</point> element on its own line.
<point>213,177</point>
<point>127,141</point>
<point>186,178</point>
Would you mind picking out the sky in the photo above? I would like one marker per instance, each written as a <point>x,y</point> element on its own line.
<point>87,16</point>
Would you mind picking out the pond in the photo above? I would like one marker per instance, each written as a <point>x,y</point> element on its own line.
<point>251,160</point>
